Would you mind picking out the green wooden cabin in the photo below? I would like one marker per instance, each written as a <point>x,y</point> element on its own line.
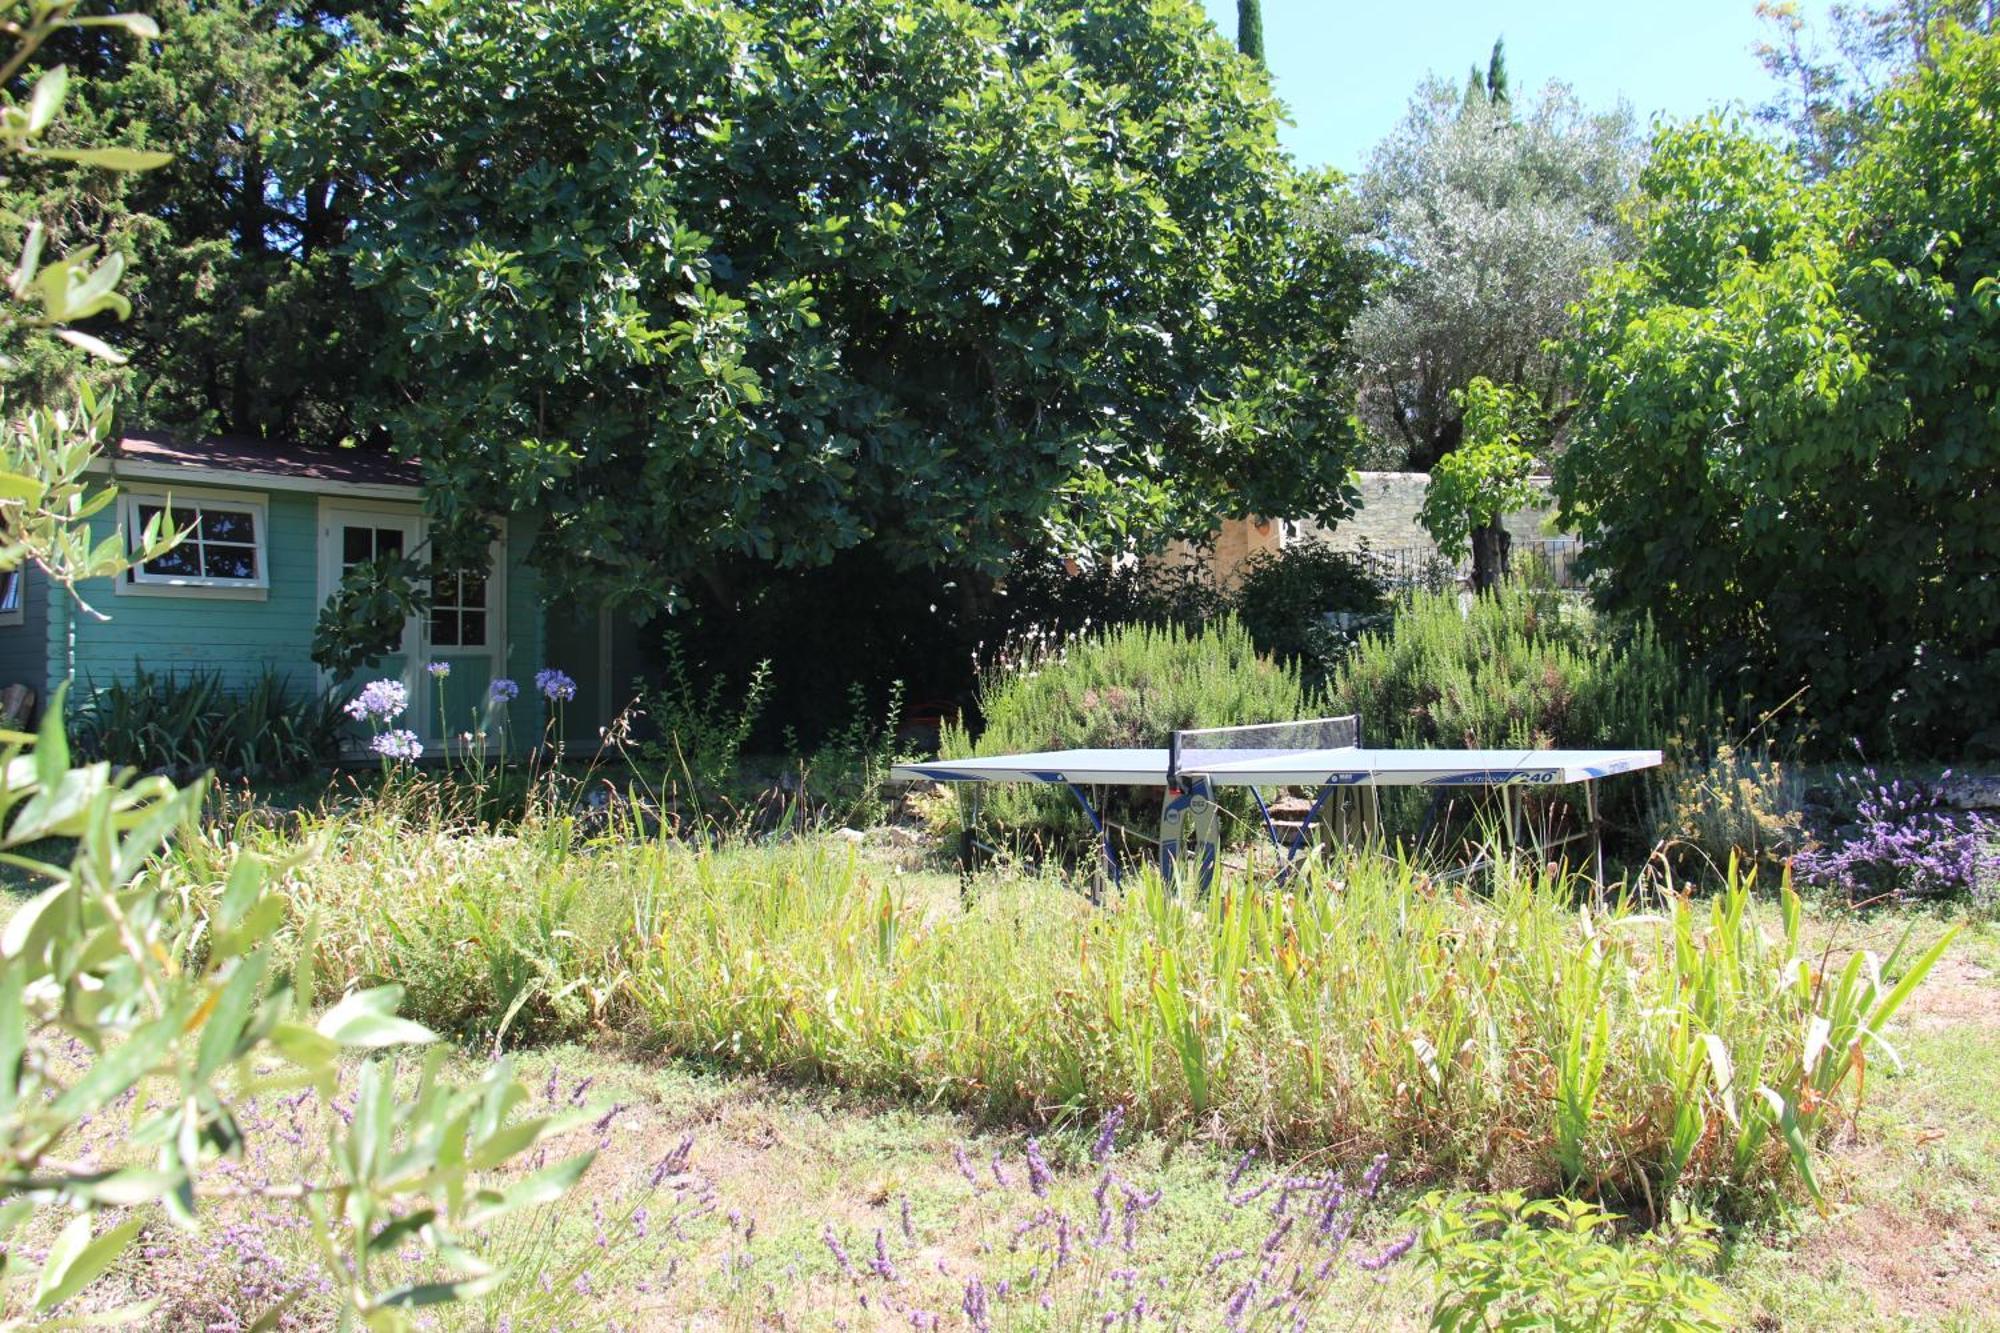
<point>274,526</point>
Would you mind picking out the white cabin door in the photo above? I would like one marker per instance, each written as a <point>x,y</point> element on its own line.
<point>351,534</point>
<point>466,630</point>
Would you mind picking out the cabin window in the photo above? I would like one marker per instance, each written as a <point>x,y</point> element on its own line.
<point>458,609</point>
<point>224,546</point>
<point>10,597</point>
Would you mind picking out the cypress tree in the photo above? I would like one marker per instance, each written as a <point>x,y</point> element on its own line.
<point>1250,29</point>
<point>1496,73</point>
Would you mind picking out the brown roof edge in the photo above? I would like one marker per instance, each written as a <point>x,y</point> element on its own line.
<point>268,458</point>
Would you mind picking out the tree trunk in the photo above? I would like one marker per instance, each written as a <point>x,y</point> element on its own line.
<point>1491,547</point>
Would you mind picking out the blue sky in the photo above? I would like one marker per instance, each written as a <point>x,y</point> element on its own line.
<point>1346,70</point>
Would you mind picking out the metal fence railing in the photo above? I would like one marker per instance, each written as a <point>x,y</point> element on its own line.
<point>1422,566</point>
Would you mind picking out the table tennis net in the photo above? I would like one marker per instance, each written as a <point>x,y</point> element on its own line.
<point>1193,750</point>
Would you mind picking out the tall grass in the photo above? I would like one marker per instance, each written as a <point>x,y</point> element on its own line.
<point>1502,1037</point>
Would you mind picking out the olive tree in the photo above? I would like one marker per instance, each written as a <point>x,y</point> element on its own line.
<point>116,998</point>
<point>1488,214</point>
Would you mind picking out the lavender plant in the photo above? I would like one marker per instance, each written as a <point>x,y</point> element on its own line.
<point>1904,845</point>
<point>1094,1248</point>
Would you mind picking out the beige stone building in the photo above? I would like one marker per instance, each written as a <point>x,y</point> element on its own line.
<point>1385,522</point>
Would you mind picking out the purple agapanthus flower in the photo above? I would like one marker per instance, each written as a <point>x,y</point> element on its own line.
<point>398,745</point>
<point>502,691</point>
<point>439,669</point>
<point>379,701</point>
<point>555,685</point>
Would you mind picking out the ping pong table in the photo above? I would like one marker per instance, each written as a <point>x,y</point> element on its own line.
<point>1322,754</point>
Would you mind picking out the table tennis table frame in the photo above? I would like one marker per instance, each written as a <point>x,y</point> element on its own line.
<point>1198,788</point>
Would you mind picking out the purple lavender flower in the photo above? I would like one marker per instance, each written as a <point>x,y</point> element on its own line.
<point>999,1172</point>
<point>555,685</point>
<point>1226,1257</point>
<point>964,1165</point>
<point>974,1305</point>
<point>1378,1170</point>
<point>502,691</point>
<point>1038,1170</point>
<point>1239,1305</point>
<point>1395,1250</point>
<point>400,744</point>
<point>1107,1131</point>
<point>880,1265</point>
<point>836,1249</point>
<point>379,701</point>
<point>1905,844</point>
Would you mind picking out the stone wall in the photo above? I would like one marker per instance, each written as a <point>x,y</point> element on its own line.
<point>1387,517</point>
<point>1386,522</point>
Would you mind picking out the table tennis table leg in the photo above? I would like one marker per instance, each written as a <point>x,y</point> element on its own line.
<point>1103,833</point>
<point>1596,837</point>
<point>1305,831</point>
<point>968,837</point>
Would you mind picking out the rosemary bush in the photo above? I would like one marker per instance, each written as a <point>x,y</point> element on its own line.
<point>1524,666</point>
<point>1130,686</point>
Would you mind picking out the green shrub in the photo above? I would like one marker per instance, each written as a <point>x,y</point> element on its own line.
<point>1525,666</point>
<point>1120,688</point>
<point>1306,603</point>
<point>188,724</point>
<point>1507,1262</point>
<point>843,780</point>
<point>700,733</point>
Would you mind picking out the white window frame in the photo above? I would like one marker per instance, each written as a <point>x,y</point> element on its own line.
<point>137,582</point>
<point>17,579</point>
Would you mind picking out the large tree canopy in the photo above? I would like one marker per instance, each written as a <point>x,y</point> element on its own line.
<point>1490,216</point>
<point>243,318</point>
<point>1791,446</point>
<point>700,279</point>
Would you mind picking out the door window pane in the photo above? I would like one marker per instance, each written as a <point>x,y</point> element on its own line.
<point>458,608</point>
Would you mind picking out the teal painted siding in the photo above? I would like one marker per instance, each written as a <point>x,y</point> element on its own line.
<point>527,641</point>
<point>24,653</point>
<point>190,629</point>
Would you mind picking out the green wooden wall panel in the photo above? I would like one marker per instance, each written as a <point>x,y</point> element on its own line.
<point>239,639</point>
<point>191,631</point>
<point>24,647</point>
